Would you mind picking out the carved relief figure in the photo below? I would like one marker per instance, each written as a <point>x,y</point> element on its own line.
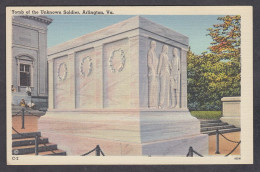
<point>164,73</point>
<point>152,76</point>
<point>175,79</point>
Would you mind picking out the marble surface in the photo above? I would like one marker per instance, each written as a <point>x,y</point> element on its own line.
<point>231,110</point>
<point>85,74</point>
<point>99,92</point>
<point>145,133</point>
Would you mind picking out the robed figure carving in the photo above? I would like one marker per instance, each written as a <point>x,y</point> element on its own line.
<point>175,79</point>
<point>164,73</point>
<point>152,76</point>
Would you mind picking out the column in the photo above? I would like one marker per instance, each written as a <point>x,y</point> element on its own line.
<point>144,45</point>
<point>184,78</point>
<point>99,76</point>
<point>51,85</point>
<point>133,57</point>
<point>42,61</point>
<point>72,79</point>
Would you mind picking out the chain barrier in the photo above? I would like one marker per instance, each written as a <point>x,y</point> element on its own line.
<point>89,152</point>
<point>24,111</point>
<point>228,139</point>
<point>36,142</point>
<point>17,113</point>
<point>234,148</point>
<point>197,153</point>
<point>102,152</point>
<point>191,151</point>
<point>188,154</point>
<point>18,132</point>
<point>23,116</point>
<point>47,146</point>
<point>31,113</point>
<point>98,151</point>
<point>217,143</point>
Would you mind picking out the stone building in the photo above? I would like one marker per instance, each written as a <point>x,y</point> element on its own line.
<point>29,62</point>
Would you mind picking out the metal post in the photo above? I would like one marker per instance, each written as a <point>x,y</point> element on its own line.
<point>191,152</point>
<point>217,142</point>
<point>97,150</point>
<point>23,118</point>
<point>36,145</point>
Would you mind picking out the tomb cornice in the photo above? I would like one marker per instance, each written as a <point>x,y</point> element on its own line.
<point>135,25</point>
<point>39,29</point>
<point>41,19</point>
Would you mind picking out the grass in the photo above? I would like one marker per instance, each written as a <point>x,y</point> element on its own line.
<point>206,114</point>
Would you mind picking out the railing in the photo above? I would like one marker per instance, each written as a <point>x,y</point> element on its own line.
<point>37,140</point>
<point>23,116</point>
<point>98,151</point>
<point>191,150</point>
<point>217,143</point>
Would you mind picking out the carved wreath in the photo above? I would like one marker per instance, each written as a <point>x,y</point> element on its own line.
<point>82,72</point>
<point>123,59</point>
<point>62,76</point>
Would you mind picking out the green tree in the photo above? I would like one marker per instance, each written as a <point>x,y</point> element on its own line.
<point>226,51</point>
<point>214,75</point>
<point>226,38</point>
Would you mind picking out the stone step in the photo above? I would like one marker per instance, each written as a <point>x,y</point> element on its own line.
<point>26,135</point>
<point>28,141</point>
<point>21,150</point>
<point>229,130</point>
<point>213,124</point>
<point>57,152</point>
<point>214,128</point>
<point>209,121</point>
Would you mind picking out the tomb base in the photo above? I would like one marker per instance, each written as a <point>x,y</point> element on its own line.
<point>124,132</point>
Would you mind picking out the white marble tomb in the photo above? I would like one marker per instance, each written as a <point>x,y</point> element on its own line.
<point>123,87</point>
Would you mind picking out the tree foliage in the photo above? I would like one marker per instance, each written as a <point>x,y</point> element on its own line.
<point>216,74</point>
<point>226,37</point>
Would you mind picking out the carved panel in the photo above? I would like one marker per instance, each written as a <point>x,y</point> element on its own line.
<point>62,71</point>
<point>164,76</point>
<point>86,66</point>
<point>117,74</point>
<point>62,79</point>
<point>117,60</point>
<point>85,78</point>
<point>152,63</point>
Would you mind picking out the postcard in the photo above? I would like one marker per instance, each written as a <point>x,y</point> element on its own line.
<point>129,85</point>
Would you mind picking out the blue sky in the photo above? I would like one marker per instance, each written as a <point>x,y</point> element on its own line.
<point>67,27</point>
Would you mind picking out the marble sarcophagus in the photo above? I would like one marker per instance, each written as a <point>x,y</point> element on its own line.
<point>124,88</point>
